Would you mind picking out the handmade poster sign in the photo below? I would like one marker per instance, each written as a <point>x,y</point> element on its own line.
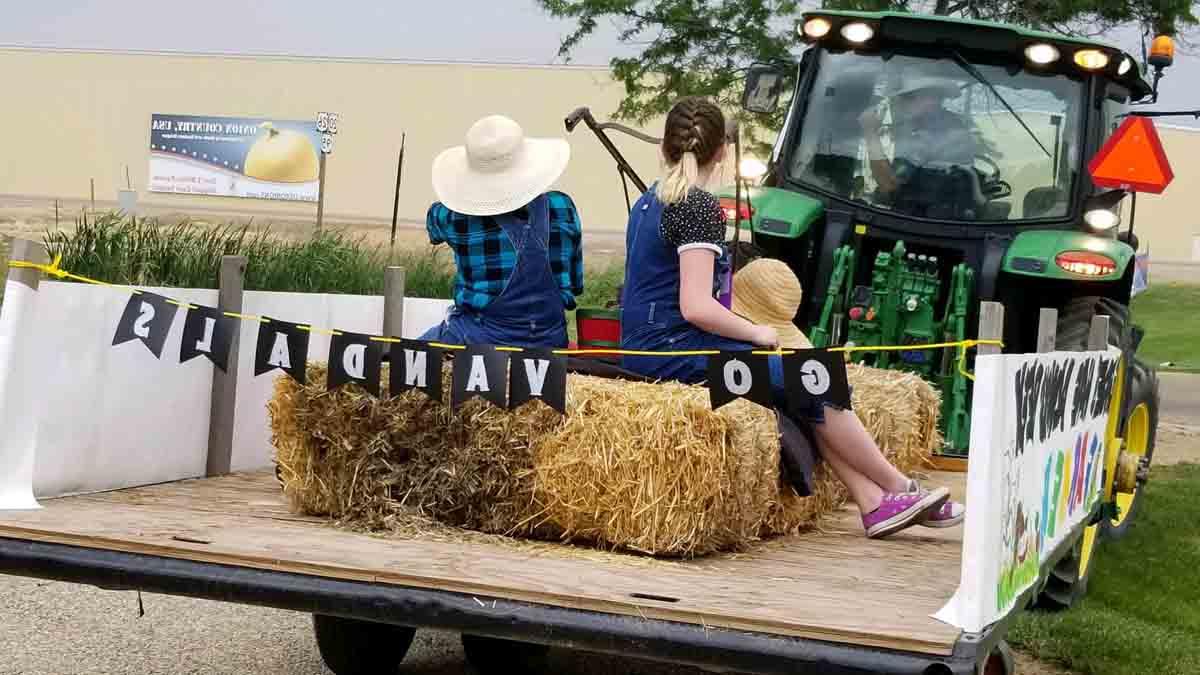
<point>816,373</point>
<point>415,365</point>
<point>148,318</point>
<point>1035,472</point>
<point>540,374</point>
<point>207,331</point>
<point>354,357</point>
<point>743,374</point>
<point>479,370</point>
<point>281,345</point>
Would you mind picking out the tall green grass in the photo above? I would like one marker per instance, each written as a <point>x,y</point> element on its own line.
<point>129,250</point>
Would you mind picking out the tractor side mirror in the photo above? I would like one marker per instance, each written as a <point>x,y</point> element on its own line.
<point>764,84</point>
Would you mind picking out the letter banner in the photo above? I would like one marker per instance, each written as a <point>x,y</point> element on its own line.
<point>148,318</point>
<point>354,357</point>
<point>540,374</point>
<point>207,331</point>
<point>479,370</point>
<point>415,365</point>
<point>816,374</point>
<point>1035,473</point>
<point>281,345</point>
<point>742,374</point>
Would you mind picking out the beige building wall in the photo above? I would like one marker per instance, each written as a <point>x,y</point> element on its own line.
<point>71,116</point>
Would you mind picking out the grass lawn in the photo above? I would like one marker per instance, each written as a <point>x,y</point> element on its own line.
<point>1142,610</point>
<point>1170,313</point>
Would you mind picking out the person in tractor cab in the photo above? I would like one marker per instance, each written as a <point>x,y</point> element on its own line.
<point>517,247</point>
<point>675,255</point>
<point>931,171</point>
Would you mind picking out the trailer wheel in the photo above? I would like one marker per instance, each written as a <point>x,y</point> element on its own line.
<point>999,661</point>
<point>494,655</point>
<point>355,647</point>
<point>1068,581</point>
<point>1140,427</point>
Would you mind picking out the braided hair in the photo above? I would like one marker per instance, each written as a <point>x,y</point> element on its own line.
<point>694,134</point>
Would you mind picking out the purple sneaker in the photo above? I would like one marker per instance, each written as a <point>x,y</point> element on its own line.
<point>949,514</point>
<point>898,511</point>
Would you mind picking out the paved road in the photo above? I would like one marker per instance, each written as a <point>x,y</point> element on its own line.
<point>1180,397</point>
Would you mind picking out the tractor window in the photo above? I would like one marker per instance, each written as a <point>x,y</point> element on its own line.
<point>924,137</point>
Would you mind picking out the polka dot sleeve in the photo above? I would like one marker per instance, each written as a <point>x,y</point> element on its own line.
<point>696,222</point>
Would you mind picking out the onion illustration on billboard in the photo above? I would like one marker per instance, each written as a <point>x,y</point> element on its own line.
<point>235,157</point>
<point>282,156</point>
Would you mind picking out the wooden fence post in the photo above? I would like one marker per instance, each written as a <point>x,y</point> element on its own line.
<point>991,326</point>
<point>224,388</point>
<point>1047,330</point>
<point>26,251</point>
<point>1098,335</point>
<point>393,302</point>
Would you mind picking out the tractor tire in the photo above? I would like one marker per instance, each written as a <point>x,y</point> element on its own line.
<point>493,655</point>
<point>1075,322</point>
<point>1140,429</point>
<point>356,647</point>
<point>1068,581</point>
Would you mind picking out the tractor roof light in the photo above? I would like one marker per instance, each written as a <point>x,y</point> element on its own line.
<point>858,32</point>
<point>1086,263</point>
<point>1162,51</point>
<point>752,168</point>
<point>1102,219</point>
<point>816,28</point>
<point>1042,53</point>
<point>1091,59</point>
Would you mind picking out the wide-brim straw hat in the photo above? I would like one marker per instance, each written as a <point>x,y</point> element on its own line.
<point>767,292</point>
<point>939,86</point>
<point>498,169</point>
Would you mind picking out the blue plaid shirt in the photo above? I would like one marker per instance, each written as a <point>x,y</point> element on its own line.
<point>485,257</point>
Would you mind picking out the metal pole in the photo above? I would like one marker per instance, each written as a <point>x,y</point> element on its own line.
<point>93,195</point>
<point>224,387</point>
<point>321,193</point>
<point>396,199</point>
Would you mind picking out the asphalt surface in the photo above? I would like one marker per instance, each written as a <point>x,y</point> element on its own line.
<point>1180,397</point>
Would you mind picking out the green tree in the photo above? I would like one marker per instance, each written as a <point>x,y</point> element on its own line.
<point>702,47</point>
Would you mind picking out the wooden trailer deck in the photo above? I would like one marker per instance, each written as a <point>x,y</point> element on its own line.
<point>835,585</point>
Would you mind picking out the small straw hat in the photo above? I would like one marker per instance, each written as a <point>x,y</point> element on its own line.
<point>498,169</point>
<point>767,292</point>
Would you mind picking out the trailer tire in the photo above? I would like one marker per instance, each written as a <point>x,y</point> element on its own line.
<point>1068,581</point>
<point>356,647</point>
<point>999,661</point>
<point>1139,434</point>
<point>495,655</point>
<point>1075,322</point>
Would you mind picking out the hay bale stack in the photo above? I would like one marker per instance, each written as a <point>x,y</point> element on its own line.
<point>642,467</point>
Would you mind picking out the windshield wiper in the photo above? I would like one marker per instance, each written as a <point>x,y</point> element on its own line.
<point>974,72</point>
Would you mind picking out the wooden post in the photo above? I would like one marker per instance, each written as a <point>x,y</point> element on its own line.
<point>224,389</point>
<point>1098,335</point>
<point>393,302</point>
<point>93,196</point>
<point>1047,330</point>
<point>27,251</point>
<point>991,326</point>
<point>321,193</point>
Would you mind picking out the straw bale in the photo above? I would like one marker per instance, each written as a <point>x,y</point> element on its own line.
<point>633,466</point>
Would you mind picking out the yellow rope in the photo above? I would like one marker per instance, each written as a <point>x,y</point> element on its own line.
<point>962,345</point>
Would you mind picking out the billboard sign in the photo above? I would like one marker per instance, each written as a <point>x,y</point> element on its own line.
<point>235,157</point>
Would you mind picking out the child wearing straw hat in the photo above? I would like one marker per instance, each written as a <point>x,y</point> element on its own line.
<point>517,247</point>
<point>674,242</point>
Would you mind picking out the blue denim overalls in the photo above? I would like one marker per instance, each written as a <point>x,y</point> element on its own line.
<point>529,312</point>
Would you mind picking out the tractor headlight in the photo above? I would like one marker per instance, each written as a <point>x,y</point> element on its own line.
<point>1091,59</point>
<point>817,28</point>
<point>857,32</point>
<point>1101,219</point>
<point>1041,53</point>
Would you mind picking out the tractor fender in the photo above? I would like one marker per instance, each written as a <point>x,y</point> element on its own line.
<point>1034,253</point>
<point>776,212</point>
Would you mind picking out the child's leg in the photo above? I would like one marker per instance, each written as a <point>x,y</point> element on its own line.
<point>843,434</point>
<point>863,491</point>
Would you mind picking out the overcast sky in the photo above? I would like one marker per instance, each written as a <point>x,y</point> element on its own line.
<point>442,30</point>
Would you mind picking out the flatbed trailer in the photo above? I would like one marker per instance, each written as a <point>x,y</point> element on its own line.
<point>827,601</point>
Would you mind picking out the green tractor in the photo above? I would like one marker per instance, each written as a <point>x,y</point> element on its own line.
<point>928,164</point>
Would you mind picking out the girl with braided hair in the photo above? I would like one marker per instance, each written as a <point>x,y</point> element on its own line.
<point>675,256</point>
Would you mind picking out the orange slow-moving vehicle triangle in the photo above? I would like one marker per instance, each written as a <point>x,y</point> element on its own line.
<point>1132,159</point>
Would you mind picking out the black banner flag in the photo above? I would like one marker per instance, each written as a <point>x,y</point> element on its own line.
<point>281,345</point>
<point>207,331</point>
<point>415,365</point>
<point>741,374</point>
<point>540,374</point>
<point>479,371</point>
<point>354,357</point>
<point>148,318</point>
<point>816,373</point>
